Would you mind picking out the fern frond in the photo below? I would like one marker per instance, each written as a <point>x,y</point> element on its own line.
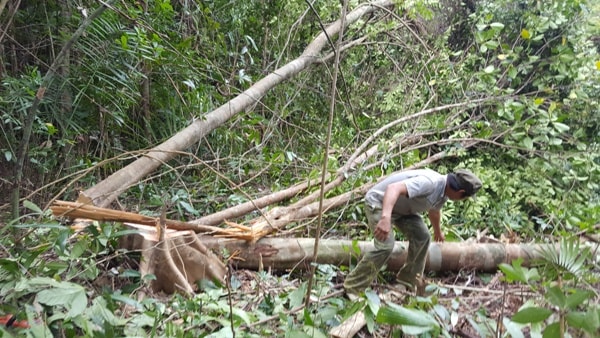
<point>568,260</point>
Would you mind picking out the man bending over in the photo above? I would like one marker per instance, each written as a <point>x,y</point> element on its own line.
<point>399,200</point>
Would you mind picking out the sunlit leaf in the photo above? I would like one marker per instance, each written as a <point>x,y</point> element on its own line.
<point>497,25</point>
<point>560,127</point>
<point>373,300</point>
<point>514,329</point>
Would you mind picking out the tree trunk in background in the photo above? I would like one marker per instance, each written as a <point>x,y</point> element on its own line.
<point>145,115</point>
<point>106,191</point>
<point>297,253</point>
<point>66,99</point>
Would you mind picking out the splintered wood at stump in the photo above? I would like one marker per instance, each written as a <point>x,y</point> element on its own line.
<point>177,258</point>
<point>170,249</point>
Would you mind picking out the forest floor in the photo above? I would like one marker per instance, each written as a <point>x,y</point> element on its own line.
<point>467,294</point>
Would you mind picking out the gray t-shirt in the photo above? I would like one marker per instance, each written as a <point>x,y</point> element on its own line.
<point>425,192</point>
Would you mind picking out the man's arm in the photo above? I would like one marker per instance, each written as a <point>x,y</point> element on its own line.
<point>391,195</point>
<point>434,218</point>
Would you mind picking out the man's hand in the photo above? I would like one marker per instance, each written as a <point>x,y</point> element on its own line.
<point>434,218</point>
<point>383,229</point>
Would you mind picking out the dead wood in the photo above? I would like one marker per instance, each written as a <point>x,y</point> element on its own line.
<point>76,210</point>
<point>349,327</point>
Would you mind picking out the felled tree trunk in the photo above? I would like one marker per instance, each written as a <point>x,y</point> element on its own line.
<point>297,253</point>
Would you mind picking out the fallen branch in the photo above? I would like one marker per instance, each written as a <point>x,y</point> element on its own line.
<point>74,210</point>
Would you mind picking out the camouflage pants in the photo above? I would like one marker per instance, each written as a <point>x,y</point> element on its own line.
<point>417,234</point>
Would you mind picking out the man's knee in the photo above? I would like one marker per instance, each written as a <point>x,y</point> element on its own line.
<point>385,247</point>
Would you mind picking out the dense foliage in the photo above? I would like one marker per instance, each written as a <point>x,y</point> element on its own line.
<point>143,70</point>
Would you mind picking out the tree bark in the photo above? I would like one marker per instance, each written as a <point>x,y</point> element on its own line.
<point>297,253</point>
<point>106,191</point>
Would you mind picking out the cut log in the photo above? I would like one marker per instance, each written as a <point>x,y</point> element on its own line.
<point>193,256</point>
<point>297,253</point>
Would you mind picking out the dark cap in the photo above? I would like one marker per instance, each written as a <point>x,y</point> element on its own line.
<point>463,179</point>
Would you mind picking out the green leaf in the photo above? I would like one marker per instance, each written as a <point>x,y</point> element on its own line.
<point>531,315</point>
<point>552,331</point>
<point>99,313</point>
<point>415,330</point>
<point>41,226</point>
<point>556,297</point>
<point>512,328</point>
<point>297,334</point>
<point>516,273</point>
<point>296,297</point>
<point>373,300</point>
<point>528,143</point>
<point>307,318</point>
<point>69,295</point>
<point>314,332</point>
<point>242,315</point>
<point>127,273</point>
<point>10,264</point>
<point>127,300</point>
<point>31,206</point>
<point>560,127</point>
<point>578,297</point>
<point>398,315</point>
<point>587,321</point>
<point>497,25</point>
<point>79,248</point>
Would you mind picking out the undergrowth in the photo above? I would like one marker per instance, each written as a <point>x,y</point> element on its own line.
<point>67,283</point>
